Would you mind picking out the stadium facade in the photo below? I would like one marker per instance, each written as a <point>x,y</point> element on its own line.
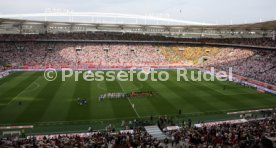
<point>40,23</point>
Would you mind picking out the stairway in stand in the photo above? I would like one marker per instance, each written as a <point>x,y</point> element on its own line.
<point>155,132</point>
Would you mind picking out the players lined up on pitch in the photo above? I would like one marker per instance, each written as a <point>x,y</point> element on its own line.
<point>113,96</point>
<point>124,95</point>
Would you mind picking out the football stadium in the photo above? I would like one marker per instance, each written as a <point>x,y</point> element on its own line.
<point>102,79</point>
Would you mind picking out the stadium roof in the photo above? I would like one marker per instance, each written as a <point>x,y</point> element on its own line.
<point>262,29</point>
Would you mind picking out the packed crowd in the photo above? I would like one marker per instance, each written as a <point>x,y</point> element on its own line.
<point>188,55</point>
<point>256,64</point>
<point>121,54</point>
<point>74,54</point>
<point>254,133</point>
<point>137,138</point>
<point>265,42</point>
<point>245,135</point>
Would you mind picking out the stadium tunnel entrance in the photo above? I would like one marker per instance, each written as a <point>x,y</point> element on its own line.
<point>203,59</point>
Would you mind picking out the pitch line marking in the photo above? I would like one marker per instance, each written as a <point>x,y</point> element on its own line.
<point>133,108</point>
<point>32,89</point>
<point>130,101</point>
<point>109,119</point>
<point>73,122</point>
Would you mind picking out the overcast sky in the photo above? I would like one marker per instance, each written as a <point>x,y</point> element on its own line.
<point>207,11</point>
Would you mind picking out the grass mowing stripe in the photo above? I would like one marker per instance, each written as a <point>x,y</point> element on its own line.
<point>39,105</point>
<point>133,107</point>
<point>239,102</point>
<point>172,96</point>
<point>25,98</point>
<point>23,91</point>
<point>216,97</point>
<point>77,111</point>
<point>240,99</point>
<point>120,107</point>
<point>54,110</point>
<point>60,122</point>
<point>110,88</point>
<point>214,94</point>
<point>13,92</point>
<point>10,77</point>
<point>159,102</point>
<point>187,95</point>
<point>144,105</point>
<point>100,109</point>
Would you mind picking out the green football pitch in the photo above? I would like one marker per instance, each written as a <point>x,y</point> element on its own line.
<point>49,102</point>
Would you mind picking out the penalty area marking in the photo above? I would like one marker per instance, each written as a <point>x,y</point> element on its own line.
<point>29,89</point>
<point>22,92</point>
